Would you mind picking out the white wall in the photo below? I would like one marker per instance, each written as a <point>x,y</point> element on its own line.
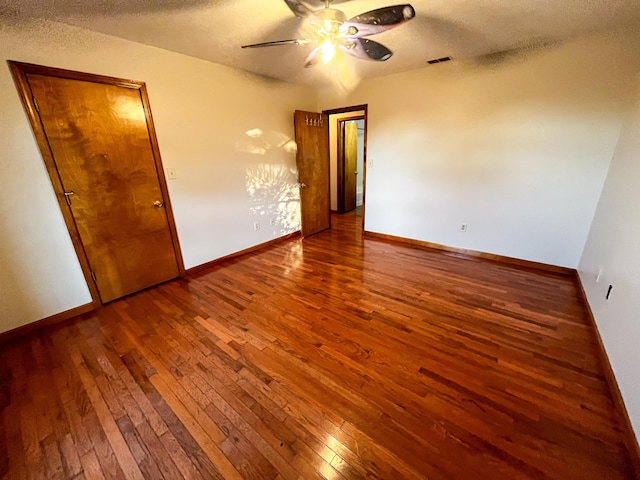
<point>226,180</point>
<point>613,250</point>
<point>333,152</point>
<point>518,150</point>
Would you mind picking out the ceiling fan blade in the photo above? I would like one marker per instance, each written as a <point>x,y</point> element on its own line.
<point>366,49</point>
<point>277,43</point>
<point>382,19</point>
<point>298,8</point>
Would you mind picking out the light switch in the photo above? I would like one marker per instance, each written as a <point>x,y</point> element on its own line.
<point>171,173</point>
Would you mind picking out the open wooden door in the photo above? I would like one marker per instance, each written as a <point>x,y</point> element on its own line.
<point>350,155</point>
<point>312,139</point>
<point>96,137</point>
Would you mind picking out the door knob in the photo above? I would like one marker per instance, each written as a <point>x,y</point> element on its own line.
<point>158,204</point>
<point>303,185</point>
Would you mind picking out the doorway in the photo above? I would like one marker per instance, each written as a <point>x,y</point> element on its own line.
<point>350,164</point>
<point>321,165</point>
<point>348,145</point>
<point>97,140</point>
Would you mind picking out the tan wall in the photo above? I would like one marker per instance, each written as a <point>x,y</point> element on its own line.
<point>518,150</point>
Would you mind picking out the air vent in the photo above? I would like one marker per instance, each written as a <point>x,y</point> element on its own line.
<point>439,60</point>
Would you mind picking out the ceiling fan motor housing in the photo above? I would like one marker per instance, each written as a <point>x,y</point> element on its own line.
<point>331,19</point>
<point>331,14</point>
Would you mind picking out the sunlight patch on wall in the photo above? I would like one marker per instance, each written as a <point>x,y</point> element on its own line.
<point>275,196</point>
<point>259,142</point>
<point>272,184</point>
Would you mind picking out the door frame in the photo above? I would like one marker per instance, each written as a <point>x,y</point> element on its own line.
<point>20,70</point>
<point>340,161</point>
<point>353,108</point>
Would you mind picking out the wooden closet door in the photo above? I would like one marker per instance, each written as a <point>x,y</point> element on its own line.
<point>100,142</point>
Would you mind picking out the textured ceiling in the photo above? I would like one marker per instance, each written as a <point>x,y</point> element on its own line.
<point>484,31</point>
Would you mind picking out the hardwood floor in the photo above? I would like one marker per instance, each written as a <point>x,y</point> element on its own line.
<point>329,357</point>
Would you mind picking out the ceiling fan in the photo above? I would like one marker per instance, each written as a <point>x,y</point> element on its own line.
<point>329,29</point>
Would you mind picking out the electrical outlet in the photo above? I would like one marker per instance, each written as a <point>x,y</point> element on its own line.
<point>256,226</point>
<point>463,227</point>
<point>171,173</point>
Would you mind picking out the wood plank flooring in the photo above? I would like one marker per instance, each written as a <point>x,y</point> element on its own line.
<point>331,357</point>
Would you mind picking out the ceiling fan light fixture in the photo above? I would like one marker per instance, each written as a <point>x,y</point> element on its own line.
<point>328,50</point>
<point>351,30</point>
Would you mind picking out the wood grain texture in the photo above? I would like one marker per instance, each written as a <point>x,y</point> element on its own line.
<point>335,357</point>
<point>312,159</point>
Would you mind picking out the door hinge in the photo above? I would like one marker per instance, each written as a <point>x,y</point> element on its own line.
<point>93,275</point>
<point>35,104</point>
